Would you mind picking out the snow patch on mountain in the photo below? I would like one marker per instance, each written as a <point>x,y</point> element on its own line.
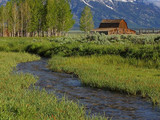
<point>102,1</point>
<point>110,3</point>
<point>107,3</point>
<point>87,3</point>
<point>126,0</point>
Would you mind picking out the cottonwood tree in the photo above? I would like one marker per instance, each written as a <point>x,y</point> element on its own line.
<point>35,17</point>
<point>86,20</point>
<point>2,20</point>
<point>65,21</point>
<point>14,19</point>
<point>51,17</point>
<point>59,17</point>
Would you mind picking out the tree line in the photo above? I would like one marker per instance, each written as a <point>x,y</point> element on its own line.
<point>28,18</point>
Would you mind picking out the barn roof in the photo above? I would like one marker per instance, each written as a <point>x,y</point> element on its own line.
<point>111,21</point>
<point>108,23</point>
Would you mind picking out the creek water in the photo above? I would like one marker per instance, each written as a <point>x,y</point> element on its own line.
<point>96,101</point>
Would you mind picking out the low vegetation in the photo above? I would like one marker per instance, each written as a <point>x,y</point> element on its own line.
<point>17,102</point>
<point>125,63</point>
<point>126,75</point>
<point>139,47</point>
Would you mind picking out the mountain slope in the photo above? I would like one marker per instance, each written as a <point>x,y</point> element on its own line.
<point>137,13</point>
<point>3,2</point>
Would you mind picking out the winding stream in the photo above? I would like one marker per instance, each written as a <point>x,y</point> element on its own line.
<point>115,105</point>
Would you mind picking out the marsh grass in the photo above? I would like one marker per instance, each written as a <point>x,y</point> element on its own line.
<point>114,73</point>
<point>17,102</point>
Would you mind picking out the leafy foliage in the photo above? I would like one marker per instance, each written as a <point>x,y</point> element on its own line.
<point>86,20</point>
<point>35,18</point>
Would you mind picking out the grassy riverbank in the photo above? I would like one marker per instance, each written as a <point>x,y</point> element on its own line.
<point>19,103</point>
<point>137,58</point>
<point>115,73</point>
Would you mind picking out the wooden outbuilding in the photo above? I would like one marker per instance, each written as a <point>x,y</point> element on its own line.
<point>118,26</point>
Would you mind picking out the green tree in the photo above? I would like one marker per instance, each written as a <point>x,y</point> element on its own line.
<point>14,19</point>
<point>51,17</point>
<point>44,19</point>
<point>65,16</point>
<point>9,17</point>
<point>26,17</point>
<point>59,16</point>
<point>35,17</point>
<point>86,20</point>
<point>2,20</point>
<point>36,7</point>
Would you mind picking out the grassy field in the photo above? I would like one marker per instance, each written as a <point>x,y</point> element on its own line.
<point>125,63</point>
<point>125,75</point>
<point>17,102</point>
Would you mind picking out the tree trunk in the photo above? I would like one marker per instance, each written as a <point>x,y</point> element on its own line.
<point>3,31</point>
<point>49,32</point>
<point>14,29</point>
<point>21,24</point>
<point>42,33</point>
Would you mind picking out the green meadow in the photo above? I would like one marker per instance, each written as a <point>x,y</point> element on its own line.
<point>110,72</point>
<point>17,102</point>
<point>123,63</point>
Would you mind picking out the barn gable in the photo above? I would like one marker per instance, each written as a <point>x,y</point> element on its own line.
<point>118,26</point>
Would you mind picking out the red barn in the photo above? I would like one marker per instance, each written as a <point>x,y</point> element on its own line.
<point>109,27</point>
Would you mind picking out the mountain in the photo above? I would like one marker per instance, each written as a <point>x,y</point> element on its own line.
<point>137,13</point>
<point>3,2</point>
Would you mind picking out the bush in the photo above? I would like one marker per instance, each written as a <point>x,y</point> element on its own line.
<point>139,47</point>
<point>157,39</point>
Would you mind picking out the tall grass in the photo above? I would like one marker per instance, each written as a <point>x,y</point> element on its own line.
<point>112,72</point>
<point>17,102</point>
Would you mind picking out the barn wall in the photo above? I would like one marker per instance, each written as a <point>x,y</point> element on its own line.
<point>123,25</point>
<point>114,27</point>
